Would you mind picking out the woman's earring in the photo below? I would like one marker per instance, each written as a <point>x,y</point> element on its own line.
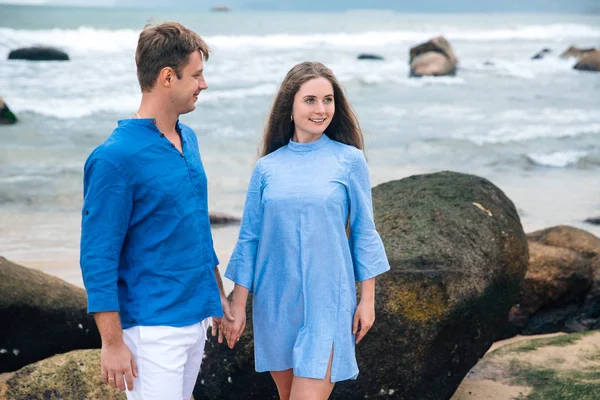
<point>291,117</point>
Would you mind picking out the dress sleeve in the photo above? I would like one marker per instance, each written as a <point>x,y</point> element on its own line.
<point>242,262</point>
<point>107,206</point>
<point>368,253</point>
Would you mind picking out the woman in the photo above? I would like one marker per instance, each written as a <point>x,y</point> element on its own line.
<point>294,251</point>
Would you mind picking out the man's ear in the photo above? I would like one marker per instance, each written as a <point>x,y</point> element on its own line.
<point>166,77</point>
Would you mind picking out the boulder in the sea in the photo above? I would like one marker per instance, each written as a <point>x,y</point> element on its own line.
<point>594,221</point>
<point>38,53</point>
<point>541,54</point>
<point>433,58</point>
<point>217,218</point>
<point>582,311</point>
<point>557,280</point>
<point>458,255</point>
<point>41,316</point>
<point>6,116</point>
<point>589,62</point>
<point>575,52</point>
<point>366,56</point>
<point>74,375</point>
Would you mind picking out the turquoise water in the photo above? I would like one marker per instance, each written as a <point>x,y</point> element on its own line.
<point>531,127</point>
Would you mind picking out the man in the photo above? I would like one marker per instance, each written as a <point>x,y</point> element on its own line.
<point>147,254</point>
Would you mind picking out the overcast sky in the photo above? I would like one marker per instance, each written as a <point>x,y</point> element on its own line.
<point>579,6</point>
<point>61,2</point>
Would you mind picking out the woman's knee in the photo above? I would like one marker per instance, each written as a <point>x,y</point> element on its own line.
<point>283,381</point>
<point>311,389</point>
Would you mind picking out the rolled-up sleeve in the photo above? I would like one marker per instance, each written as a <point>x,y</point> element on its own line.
<point>105,216</point>
<point>242,262</point>
<point>368,253</point>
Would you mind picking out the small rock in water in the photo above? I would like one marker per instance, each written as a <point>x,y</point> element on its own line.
<point>217,218</point>
<point>590,61</point>
<point>38,53</point>
<point>541,54</point>
<point>369,57</point>
<point>576,52</point>
<point>595,221</point>
<point>6,116</point>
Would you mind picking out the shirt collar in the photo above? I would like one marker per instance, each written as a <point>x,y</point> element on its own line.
<point>147,122</point>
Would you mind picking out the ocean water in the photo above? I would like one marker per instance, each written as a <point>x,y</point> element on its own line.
<point>531,127</point>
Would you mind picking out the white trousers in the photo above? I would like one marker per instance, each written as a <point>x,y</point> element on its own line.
<point>168,360</point>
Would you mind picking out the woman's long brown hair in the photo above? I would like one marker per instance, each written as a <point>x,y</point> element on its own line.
<point>344,126</point>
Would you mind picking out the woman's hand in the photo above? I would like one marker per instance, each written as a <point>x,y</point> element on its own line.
<point>364,317</point>
<point>233,329</point>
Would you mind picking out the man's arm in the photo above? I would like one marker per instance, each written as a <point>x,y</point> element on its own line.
<point>107,208</point>
<point>219,282</point>
<point>217,321</point>
<point>118,365</point>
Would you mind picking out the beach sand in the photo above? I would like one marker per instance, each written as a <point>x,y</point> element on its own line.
<point>64,262</point>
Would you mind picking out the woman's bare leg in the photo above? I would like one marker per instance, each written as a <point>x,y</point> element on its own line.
<point>283,380</point>
<point>313,389</point>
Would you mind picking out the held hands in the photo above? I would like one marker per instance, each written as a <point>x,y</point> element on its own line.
<point>118,365</point>
<point>218,323</point>
<point>233,329</point>
<point>364,317</point>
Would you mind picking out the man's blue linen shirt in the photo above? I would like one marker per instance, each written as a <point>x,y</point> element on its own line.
<point>146,245</point>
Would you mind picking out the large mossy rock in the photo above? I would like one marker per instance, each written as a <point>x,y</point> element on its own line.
<point>41,316</point>
<point>561,291</point>
<point>74,375</point>
<point>458,255</point>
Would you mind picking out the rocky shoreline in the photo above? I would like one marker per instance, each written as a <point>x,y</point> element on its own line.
<point>464,275</point>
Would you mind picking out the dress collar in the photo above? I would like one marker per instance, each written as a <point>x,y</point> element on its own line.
<point>305,147</point>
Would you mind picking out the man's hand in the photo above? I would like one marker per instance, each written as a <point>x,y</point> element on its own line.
<point>118,365</point>
<point>218,322</point>
<point>117,362</point>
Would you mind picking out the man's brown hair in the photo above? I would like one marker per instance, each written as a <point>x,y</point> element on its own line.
<point>166,45</point>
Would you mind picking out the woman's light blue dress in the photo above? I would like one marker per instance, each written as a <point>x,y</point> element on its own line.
<point>294,255</point>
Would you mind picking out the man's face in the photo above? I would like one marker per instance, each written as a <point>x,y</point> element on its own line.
<point>185,91</point>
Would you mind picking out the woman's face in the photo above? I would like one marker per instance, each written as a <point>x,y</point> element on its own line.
<point>313,108</point>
